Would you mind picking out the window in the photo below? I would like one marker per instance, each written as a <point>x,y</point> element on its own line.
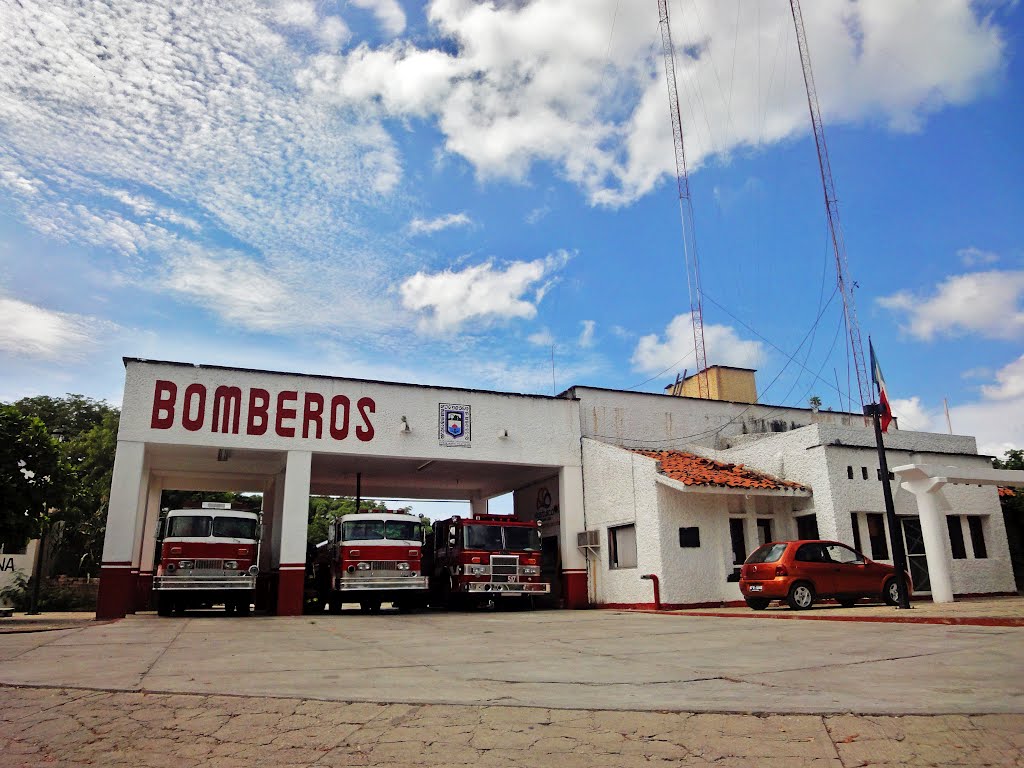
<point>485,537</point>
<point>769,553</point>
<point>837,553</point>
<point>764,531</point>
<point>403,530</point>
<point>739,541</point>
<point>807,527</point>
<point>189,526</point>
<point>235,527</point>
<point>811,553</point>
<point>878,474</point>
<point>856,531</point>
<point>362,530</point>
<point>956,537</point>
<point>622,547</point>
<point>864,472</point>
<point>689,537</point>
<point>849,472</point>
<point>876,536</point>
<point>977,536</point>
<point>521,539</point>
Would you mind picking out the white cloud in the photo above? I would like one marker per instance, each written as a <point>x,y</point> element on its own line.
<point>1010,383</point>
<point>975,257</point>
<point>482,292</point>
<point>676,350</point>
<point>512,84</point>
<point>912,415</point>
<point>420,226</point>
<point>27,330</point>
<point>587,334</point>
<point>388,12</point>
<point>987,303</point>
<point>542,338</point>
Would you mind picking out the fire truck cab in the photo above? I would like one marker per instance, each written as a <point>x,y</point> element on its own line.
<point>207,556</point>
<point>479,559</point>
<point>372,558</point>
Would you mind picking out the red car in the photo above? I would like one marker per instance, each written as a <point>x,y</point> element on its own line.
<point>801,572</point>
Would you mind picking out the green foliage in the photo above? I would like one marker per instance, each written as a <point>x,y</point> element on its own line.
<point>1013,459</point>
<point>88,440</point>
<point>52,596</point>
<point>195,499</point>
<point>323,509</point>
<point>35,481</point>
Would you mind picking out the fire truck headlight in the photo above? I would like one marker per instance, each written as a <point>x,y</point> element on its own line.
<point>476,570</point>
<point>231,565</point>
<point>403,566</point>
<point>363,566</point>
<point>530,570</point>
<point>254,570</point>
<point>186,564</point>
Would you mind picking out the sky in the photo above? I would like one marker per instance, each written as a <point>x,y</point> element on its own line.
<point>483,194</point>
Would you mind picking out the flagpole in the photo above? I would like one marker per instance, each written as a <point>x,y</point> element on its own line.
<point>899,554</point>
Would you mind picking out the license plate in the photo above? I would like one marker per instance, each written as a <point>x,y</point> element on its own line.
<point>754,588</point>
<point>513,579</point>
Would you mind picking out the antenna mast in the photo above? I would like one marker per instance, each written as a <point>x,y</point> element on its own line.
<point>832,210</point>
<point>685,206</point>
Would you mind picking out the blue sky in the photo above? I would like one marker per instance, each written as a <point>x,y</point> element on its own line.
<point>444,193</point>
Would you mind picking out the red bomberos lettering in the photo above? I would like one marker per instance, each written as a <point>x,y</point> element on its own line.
<point>288,413</point>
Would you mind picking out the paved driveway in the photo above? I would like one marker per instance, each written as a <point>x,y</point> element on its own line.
<point>553,659</point>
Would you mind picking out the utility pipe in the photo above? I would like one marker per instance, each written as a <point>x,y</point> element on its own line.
<point>657,590</point>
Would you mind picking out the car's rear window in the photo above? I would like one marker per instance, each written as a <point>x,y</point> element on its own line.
<point>767,553</point>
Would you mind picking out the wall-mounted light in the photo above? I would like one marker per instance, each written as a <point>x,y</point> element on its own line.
<point>405,426</point>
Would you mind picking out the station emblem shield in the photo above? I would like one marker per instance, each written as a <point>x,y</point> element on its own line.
<point>454,424</point>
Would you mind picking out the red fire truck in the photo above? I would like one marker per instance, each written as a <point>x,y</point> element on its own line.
<point>207,556</point>
<point>478,559</point>
<point>371,558</point>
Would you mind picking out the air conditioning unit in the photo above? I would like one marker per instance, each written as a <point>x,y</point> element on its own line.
<point>588,539</point>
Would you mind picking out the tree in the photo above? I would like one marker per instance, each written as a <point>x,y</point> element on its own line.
<point>34,479</point>
<point>87,431</point>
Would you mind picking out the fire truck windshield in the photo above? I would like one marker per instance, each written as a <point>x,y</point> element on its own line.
<point>188,526</point>
<point>375,530</point>
<point>494,538</point>
<point>234,527</point>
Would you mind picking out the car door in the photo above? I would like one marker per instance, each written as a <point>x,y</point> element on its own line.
<point>852,576</point>
<point>813,564</point>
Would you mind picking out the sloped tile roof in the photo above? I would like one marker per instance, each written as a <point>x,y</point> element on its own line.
<point>690,469</point>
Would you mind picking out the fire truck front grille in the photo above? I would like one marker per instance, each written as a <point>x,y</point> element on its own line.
<point>503,566</point>
<point>210,564</point>
<point>383,565</point>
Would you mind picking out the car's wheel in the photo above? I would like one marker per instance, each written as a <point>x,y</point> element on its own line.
<point>891,591</point>
<point>801,596</point>
<point>758,603</point>
<point>847,602</point>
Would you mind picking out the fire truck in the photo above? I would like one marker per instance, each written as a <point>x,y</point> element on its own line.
<point>371,558</point>
<point>207,556</point>
<point>480,559</point>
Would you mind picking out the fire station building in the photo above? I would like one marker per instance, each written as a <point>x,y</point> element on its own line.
<point>624,484</point>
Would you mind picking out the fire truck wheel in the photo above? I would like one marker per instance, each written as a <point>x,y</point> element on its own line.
<point>370,606</point>
<point>230,607</point>
<point>243,608</point>
<point>179,606</point>
<point>405,606</point>
<point>163,606</point>
<point>334,603</point>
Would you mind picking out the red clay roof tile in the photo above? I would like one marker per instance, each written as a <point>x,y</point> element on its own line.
<point>690,469</point>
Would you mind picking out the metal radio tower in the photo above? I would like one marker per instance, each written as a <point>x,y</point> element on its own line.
<point>832,210</point>
<point>685,206</point>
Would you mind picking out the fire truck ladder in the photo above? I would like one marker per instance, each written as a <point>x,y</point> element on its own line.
<point>685,205</point>
<point>832,211</point>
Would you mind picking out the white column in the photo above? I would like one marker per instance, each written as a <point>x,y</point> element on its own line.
<point>277,503</point>
<point>570,515</point>
<point>147,547</point>
<point>477,506</point>
<point>127,486</point>
<point>931,508</point>
<point>295,508</point>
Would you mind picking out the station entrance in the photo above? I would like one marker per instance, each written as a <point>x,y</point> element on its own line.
<point>198,428</point>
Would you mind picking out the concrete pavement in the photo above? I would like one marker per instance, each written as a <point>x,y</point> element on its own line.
<point>512,689</point>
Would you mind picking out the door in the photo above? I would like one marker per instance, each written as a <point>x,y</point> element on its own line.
<point>852,574</point>
<point>917,562</point>
<point>812,562</point>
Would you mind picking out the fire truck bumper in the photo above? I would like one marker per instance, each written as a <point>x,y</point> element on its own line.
<point>512,589</point>
<point>388,583</point>
<point>196,583</point>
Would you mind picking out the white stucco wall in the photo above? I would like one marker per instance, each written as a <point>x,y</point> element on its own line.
<point>10,565</point>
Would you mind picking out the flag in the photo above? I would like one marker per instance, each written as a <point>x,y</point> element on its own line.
<point>884,409</point>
